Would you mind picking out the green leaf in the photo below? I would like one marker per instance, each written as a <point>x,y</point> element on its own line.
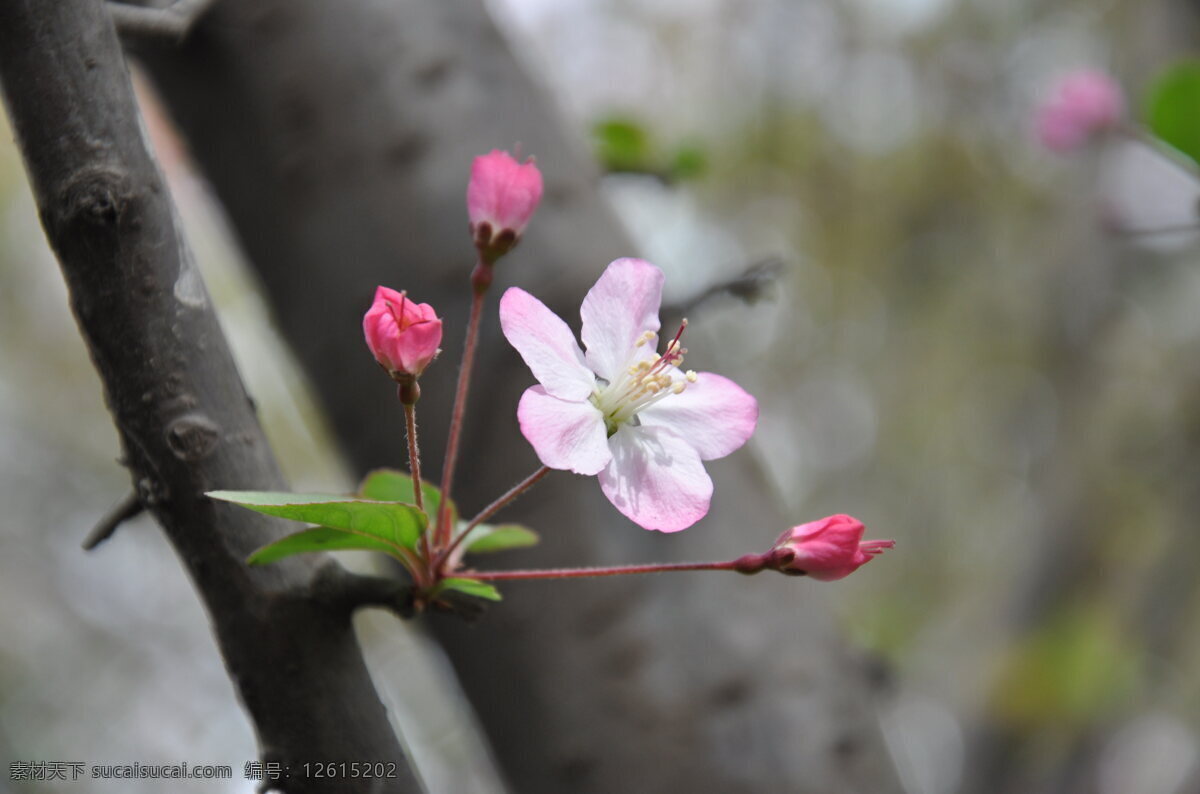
<point>487,538</point>
<point>472,587</point>
<point>317,539</point>
<point>394,523</point>
<point>394,485</point>
<point>1173,107</point>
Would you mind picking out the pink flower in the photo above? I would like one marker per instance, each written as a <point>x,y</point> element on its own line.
<point>403,336</point>
<point>501,198</point>
<point>1081,104</point>
<point>828,549</point>
<point>621,410</point>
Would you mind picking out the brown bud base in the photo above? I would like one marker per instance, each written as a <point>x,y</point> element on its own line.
<point>493,246</point>
<point>407,388</point>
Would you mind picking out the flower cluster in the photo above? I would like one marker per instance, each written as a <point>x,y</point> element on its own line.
<point>621,408</point>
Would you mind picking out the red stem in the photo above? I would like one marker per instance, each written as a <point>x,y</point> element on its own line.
<point>505,499</point>
<point>414,454</point>
<point>444,529</point>
<point>414,466</point>
<point>615,570</point>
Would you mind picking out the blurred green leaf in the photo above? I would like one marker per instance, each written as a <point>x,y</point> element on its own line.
<point>1173,107</point>
<point>472,587</point>
<point>623,145</point>
<point>487,538</point>
<point>394,523</point>
<point>318,539</point>
<point>689,162</point>
<point>1071,670</point>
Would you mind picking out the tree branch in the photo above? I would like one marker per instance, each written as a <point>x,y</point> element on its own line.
<point>183,416</point>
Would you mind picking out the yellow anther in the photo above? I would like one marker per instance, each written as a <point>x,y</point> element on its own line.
<point>691,376</point>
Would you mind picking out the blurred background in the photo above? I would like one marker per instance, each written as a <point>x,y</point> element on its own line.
<point>982,350</point>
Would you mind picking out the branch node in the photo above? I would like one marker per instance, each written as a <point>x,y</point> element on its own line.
<point>343,590</point>
<point>171,24</point>
<point>129,507</point>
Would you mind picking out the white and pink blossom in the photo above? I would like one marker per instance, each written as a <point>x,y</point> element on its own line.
<point>621,410</point>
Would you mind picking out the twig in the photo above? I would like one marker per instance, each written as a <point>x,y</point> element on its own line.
<point>129,507</point>
<point>487,512</point>
<point>750,286</point>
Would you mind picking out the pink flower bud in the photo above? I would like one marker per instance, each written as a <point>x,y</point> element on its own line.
<point>403,336</point>
<point>827,549</point>
<point>501,198</point>
<point>1081,104</point>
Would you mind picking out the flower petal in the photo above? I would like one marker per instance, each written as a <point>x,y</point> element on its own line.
<point>619,308</point>
<point>565,434</point>
<point>714,415</point>
<point>656,479</point>
<point>546,344</point>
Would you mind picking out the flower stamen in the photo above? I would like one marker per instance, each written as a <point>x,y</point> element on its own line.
<point>644,382</point>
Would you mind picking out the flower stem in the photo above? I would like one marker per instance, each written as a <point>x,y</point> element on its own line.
<point>479,290</point>
<point>409,392</point>
<point>414,454</point>
<point>750,563</point>
<point>505,499</point>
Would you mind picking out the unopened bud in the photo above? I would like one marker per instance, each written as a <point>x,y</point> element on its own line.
<point>501,198</point>
<point>402,335</point>
<point>828,549</point>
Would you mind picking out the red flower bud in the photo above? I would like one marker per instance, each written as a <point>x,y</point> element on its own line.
<point>828,549</point>
<point>501,198</point>
<point>402,335</point>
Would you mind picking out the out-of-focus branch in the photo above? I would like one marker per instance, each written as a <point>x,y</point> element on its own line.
<point>169,24</point>
<point>182,413</point>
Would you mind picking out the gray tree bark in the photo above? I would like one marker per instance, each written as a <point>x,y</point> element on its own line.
<point>339,136</point>
<point>185,421</point>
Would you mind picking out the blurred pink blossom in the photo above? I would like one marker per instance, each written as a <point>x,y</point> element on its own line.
<point>501,198</point>
<point>830,548</point>
<point>1079,105</point>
